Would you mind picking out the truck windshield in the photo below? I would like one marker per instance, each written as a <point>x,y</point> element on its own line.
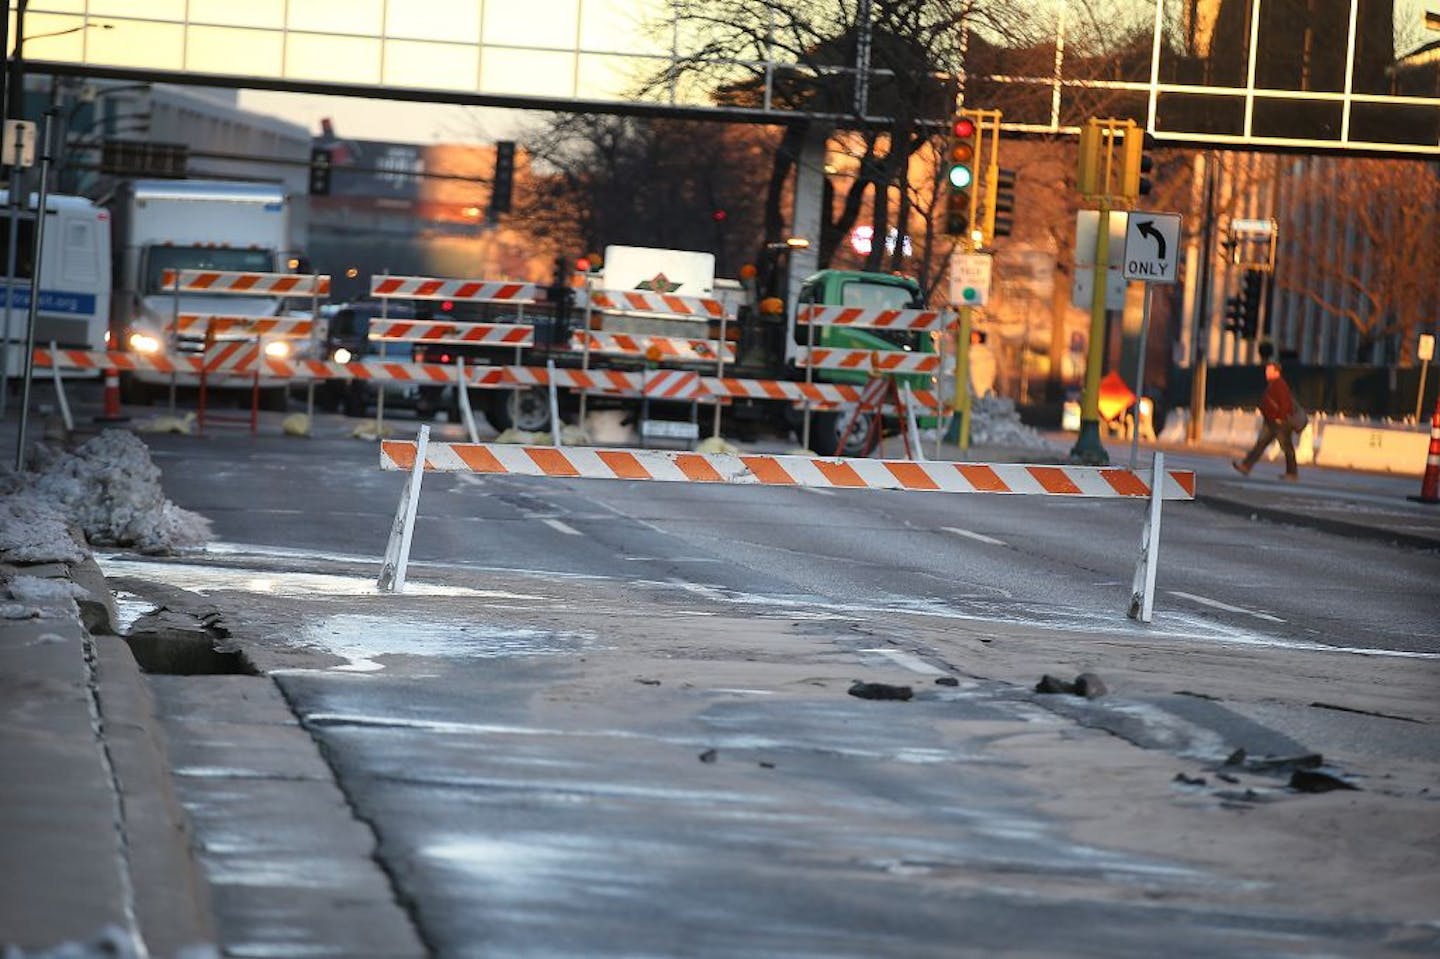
<point>162,258</point>
<point>876,296</point>
<point>882,296</point>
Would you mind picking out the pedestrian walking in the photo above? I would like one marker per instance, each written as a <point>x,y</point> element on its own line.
<point>1277,407</point>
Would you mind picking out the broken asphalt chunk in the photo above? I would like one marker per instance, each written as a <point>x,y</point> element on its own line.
<point>947,681</point>
<point>1086,684</point>
<point>865,690</point>
<point>1318,781</point>
<point>1049,684</point>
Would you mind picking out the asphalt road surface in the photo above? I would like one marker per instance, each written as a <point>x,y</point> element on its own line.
<point>612,719</point>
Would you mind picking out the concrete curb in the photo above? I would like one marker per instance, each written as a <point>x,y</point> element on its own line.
<point>1323,523</point>
<point>171,898</point>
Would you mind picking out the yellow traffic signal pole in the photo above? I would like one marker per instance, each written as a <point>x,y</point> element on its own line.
<point>979,235</point>
<point>1106,183</point>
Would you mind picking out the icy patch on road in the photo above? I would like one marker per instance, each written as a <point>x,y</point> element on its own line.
<point>202,578</point>
<point>360,639</point>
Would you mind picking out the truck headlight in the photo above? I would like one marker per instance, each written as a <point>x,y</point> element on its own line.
<point>342,355</point>
<point>144,343</point>
<point>278,349</point>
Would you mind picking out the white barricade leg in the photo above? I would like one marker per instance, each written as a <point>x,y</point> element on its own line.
<point>1142,589</point>
<point>912,427</point>
<point>60,390</point>
<point>463,396</point>
<point>554,406</point>
<point>397,550</point>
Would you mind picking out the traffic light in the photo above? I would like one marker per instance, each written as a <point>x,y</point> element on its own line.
<point>1250,303</point>
<point>1138,163</point>
<point>1234,316</point>
<point>999,203</point>
<point>320,167</point>
<point>500,186</point>
<point>960,176</point>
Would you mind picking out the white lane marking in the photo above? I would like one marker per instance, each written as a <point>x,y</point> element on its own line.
<point>976,536</point>
<point>908,660</point>
<point>1203,601</point>
<point>561,525</point>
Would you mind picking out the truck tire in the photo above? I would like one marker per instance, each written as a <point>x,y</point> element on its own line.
<point>825,434</point>
<point>527,410</point>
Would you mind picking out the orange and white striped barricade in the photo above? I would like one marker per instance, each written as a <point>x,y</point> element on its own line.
<point>799,392</point>
<point>115,359</point>
<point>661,348</point>
<point>233,323</point>
<point>278,286</point>
<point>482,377</point>
<point>742,469</point>
<point>433,331</point>
<point>658,349</point>
<point>868,361</point>
<point>505,292</point>
<point>464,291</point>
<point>813,315</point>
<point>225,359</point>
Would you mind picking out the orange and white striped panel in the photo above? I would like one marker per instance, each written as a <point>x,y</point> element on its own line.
<point>829,394</point>
<point>672,348</point>
<point>465,291</point>
<point>656,384</point>
<point>116,360</point>
<point>490,377</point>
<point>668,466</point>
<point>873,319</point>
<point>644,301</point>
<point>428,331</point>
<point>247,284</point>
<point>232,356</point>
<point>195,324</point>
<point>868,361</point>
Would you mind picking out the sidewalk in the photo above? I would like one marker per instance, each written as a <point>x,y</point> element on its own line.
<point>94,845</point>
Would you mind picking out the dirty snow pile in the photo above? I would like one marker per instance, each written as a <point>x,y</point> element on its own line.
<point>108,487</point>
<point>994,421</point>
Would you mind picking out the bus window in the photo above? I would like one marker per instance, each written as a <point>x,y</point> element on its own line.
<point>162,258</point>
<point>81,263</point>
<point>24,249</point>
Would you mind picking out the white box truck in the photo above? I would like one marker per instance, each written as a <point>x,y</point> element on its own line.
<point>191,225</point>
<point>74,306</point>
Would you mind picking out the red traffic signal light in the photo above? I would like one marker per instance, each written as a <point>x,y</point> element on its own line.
<point>963,127</point>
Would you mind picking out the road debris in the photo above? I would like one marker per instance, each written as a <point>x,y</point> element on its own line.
<point>1087,685</point>
<point>865,690</point>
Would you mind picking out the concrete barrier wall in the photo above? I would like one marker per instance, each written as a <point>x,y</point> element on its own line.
<point>1373,448</point>
<point>1327,440</point>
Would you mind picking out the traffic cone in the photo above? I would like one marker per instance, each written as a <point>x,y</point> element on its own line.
<point>1430,485</point>
<point>112,413</point>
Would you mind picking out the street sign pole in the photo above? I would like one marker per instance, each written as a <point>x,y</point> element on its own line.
<point>29,358</point>
<point>1425,352</point>
<point>1088,448</point>
<point>1140,377</point>
<point>1152,243</point>
<point>19,152</point>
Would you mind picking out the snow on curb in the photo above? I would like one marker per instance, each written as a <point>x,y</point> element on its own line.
<point>106,492</point>
<point>110,488</point>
